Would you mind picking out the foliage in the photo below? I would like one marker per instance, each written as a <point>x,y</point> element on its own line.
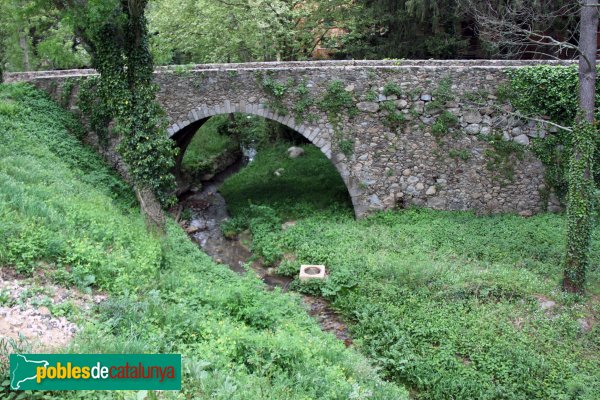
<point>303,103</point>
<point>337,103</point>
<point>393,117</point>
<point>307,183</point>
<point>34,35</point>
<point>462,154</point>
<point>60,211</point>
<point>445,302</point>
<point>250,131</point>
<point>551,92</point>
<point>407,29</point>
<point>443,124</point>
<point>392,88</point>
<point>275,90</point>
<point>441,94</point>
<point>118,34</point>
<point>580,206</point>
<point>501,155</point>
<point>247,30</point>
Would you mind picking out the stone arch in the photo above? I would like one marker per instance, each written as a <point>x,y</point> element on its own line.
<point>184,130</point>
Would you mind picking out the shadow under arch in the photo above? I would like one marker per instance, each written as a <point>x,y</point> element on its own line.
<point>183,133</point>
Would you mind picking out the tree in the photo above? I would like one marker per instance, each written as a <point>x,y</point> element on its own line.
<point>115,33</point>
<point>203,31</point>
<point>514,28</point>
<point>581,183</point>
<point>34,35</point>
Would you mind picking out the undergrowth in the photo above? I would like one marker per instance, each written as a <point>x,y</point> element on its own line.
<point>446,303</point>
<point>63,209</point>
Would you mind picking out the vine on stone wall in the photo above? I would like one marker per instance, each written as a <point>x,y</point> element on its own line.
<point>275,92</point>
<point>551,92</point>
<point>336,103</point>
<point>303,103</point>
<point>66,91</point>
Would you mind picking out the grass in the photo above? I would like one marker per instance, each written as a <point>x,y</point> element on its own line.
<point>208,144</point>
<point>64,211</point>
<point>307,183</point>
<point>446,303</point>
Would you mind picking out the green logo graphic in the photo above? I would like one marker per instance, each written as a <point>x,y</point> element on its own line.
<point>95,371</point>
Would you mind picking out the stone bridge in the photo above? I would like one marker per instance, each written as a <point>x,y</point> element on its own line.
<point>426,133</point>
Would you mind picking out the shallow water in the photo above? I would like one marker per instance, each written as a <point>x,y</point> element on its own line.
<point>209,209</point>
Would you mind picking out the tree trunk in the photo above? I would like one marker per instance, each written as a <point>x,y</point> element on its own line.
<point>24,45</point>
<point>151,208</point>
<point>581,183</point>
<point>588,46</point>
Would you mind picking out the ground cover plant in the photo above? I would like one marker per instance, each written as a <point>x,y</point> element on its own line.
<point>453,305</point>
<point>65,214</point>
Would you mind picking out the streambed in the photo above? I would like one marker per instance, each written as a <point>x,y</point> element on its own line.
<point>208,210</point>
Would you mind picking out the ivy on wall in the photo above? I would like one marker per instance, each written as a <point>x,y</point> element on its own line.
<point>551,92</point>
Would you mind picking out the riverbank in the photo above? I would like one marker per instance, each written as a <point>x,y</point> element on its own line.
<point>450,304</point>
<point>62,209</point>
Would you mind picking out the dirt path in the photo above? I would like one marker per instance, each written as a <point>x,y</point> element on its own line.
<point>42,314</point>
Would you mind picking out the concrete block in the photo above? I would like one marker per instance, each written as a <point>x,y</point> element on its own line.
<point>312,272</point>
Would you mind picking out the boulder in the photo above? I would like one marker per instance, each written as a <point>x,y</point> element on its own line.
<point>295,152</point>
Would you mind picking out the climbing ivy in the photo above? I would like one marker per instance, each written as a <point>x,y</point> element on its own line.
<point>66,91</point>
<point>500,156</point>
<point>96,110</point>
<point>580,205</point>
<point>274,90</point>
<point>336,103</point>
<point>125,97</point>
<point>550,92</point>
<point>303,103</point>
<point>393,117</point>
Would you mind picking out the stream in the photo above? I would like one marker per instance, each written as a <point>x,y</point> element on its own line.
<point>208,210</point>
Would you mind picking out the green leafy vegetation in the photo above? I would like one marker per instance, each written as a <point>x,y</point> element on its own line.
<point>501,155</point>
<point>442,125</point>
<point>275,90</point>
<point>393,117</point>
<point>303,103</point>
<point>210,143</point>
<point>445,302</point>
<point>337,103</point>
<point>307,183</point>
<point>551,92</point>
<point>392,89</point>
<point>441,94</point>
<point>64,213</point>
<point>581,205</point>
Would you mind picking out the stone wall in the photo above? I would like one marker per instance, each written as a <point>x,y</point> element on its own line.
<point>444,140</point>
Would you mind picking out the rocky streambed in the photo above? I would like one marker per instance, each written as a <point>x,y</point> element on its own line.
<point>208,210</point>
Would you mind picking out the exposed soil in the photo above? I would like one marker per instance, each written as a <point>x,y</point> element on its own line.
<point>40,313</point>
